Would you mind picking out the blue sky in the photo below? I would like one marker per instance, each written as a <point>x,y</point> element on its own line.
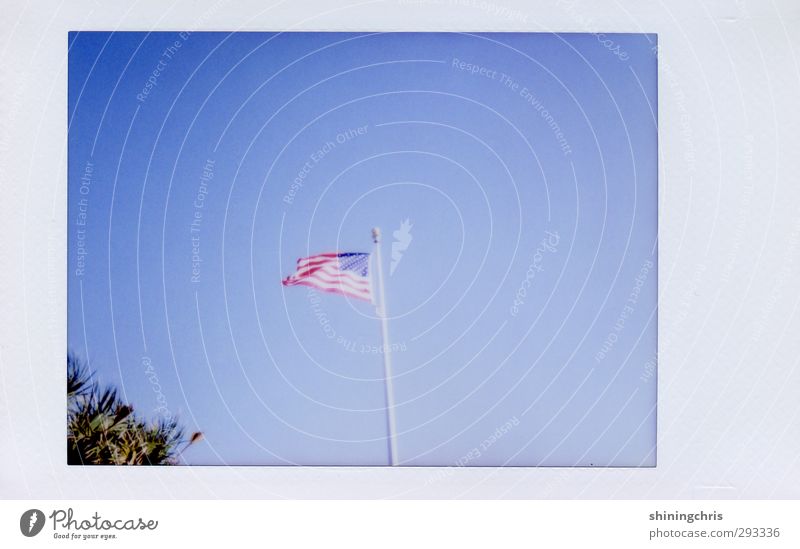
<point>202,165</point>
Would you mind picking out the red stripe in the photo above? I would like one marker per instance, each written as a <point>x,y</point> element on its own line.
<point>327,263</point>
<point>309,269</point>
<point>306,271</point>
<point>320,257</point>
<point>359,284</point>
<point>340,279</point>
<point>359,295</point>
<point>329,271</point>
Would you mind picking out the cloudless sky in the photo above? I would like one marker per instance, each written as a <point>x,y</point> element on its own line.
<point>488,144</point>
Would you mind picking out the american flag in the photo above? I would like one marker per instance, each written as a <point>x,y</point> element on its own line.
<point>340,273</point>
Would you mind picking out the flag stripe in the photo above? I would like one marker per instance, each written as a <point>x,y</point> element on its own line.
<point>331,274</point>
<point>310,264</point>
<point>317,260</point>
<point>345,282</point>
<point>333,288</point>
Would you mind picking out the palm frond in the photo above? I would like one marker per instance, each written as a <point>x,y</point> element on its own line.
<point>104,430</point>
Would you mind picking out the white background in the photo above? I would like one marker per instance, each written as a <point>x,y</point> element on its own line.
<point>729,272</point>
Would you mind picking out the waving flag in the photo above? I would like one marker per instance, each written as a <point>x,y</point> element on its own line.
<point>340,273</point>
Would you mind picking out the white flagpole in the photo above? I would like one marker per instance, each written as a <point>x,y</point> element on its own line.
<point>387,357</point>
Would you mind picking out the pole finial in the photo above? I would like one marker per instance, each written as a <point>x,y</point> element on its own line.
<point>376,234</point>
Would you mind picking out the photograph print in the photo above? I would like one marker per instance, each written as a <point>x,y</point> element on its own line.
<point>362,249</point>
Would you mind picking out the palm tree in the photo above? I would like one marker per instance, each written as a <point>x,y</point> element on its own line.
<point>103,430</point>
